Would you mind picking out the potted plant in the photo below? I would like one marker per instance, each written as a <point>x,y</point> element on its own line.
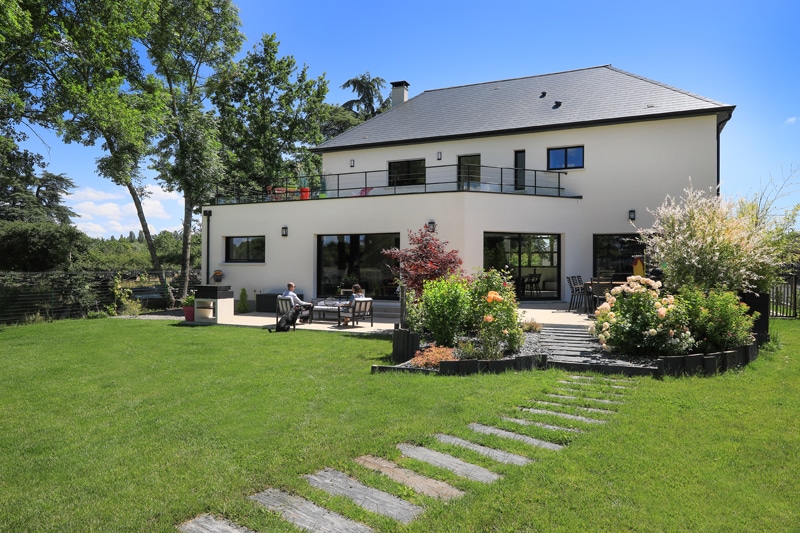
<point>188,307</point>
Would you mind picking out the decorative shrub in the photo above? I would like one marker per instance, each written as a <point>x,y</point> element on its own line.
<point>241,304</point>
<point>493,309</point>
<point>426,259</point>
<point>431,357</point>
<point>718,320</point>
<point>445,307</point>
<point>637,320</point>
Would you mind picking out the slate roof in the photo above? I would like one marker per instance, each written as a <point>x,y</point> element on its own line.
<point>588,96</point>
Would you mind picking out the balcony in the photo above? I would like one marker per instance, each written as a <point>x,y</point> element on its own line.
<point>442,178</point>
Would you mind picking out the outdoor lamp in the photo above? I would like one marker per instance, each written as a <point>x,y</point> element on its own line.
<point>352,163</point>
<point>285,231</point>
<point>632,214</point>
<point>431,225</point>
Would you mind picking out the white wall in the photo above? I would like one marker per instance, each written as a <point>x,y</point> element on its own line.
<point>627,166</point>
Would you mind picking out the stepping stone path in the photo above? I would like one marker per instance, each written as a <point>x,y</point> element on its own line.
<point>309,516</point>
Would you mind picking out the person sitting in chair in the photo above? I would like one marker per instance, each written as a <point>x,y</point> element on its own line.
<point>347,307</point>
<point>308,307</point>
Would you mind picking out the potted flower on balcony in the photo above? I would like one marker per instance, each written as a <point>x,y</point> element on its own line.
<point>188,307</point>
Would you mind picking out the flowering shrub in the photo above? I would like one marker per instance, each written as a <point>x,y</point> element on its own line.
<point>425,259</point>
<point>636,319</point>
<point>494,314</point>
<point>483,308</point>
<point>719,321</point>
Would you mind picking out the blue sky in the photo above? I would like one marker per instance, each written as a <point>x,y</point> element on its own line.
<point>736,52</point>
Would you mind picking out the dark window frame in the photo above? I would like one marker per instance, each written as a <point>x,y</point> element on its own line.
<point>252,254</point>
<point>613,253</point>
<point>401,173</point>
<point>563,157</point>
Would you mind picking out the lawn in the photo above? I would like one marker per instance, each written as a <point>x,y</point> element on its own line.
<point>136,425</point>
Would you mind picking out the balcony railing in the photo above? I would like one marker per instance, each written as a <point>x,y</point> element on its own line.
<point>442,178</point>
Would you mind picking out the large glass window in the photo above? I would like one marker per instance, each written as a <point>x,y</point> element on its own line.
<point>411,172</point>
<point>560,158</point>
<point>245,249</point>
<point>533,259</point>
<point>519,170</point>
<point>615,255</point>
<point>346,259</point>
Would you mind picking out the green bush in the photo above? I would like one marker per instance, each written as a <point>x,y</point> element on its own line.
<point>718,320</point>
<point>445,306</point>
<point>493,314</point>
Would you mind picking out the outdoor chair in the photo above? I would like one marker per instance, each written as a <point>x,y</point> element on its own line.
<point>361,310</point>
<point>601,286</point>
<point>576,298</point>
<point>282,306</point>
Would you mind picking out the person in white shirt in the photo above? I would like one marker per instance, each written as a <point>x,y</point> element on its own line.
<point>307,306</point>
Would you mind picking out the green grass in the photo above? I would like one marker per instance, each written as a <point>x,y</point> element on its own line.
<point>135,425</point>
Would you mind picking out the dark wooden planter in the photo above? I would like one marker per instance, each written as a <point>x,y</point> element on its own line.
<point>708,364</point>
<point>470,366</point>
<point>498,366</point>
<point>404,345</point>
<point>449,368</point>
<point>758,302</point>
<point>693,364</point>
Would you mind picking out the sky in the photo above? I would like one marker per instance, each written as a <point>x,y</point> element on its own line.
<point>738,52</point>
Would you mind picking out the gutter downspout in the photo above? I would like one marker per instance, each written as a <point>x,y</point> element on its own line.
<point>720,125</point>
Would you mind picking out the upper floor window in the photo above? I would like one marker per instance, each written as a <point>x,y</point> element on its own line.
<point>571,157</point>
<point>245,249</point>
<point>410,172</point>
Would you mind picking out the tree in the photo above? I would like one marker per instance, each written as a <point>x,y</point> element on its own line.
<point>707,242</point>
<point>368,102</point>
<point>35,199</point>
<point>425,259</point>
<point>189,38</point>
<point>337,121</point>
<point>270,114</point>
<point>39,246</point>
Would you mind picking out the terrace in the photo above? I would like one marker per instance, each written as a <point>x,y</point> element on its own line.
<point>422,180</point>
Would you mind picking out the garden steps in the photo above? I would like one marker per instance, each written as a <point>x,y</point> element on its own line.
<point>587,398</point>
<point>576,407</point>
<point>448,462</point>
<point>310,516</point>
<point>498,455</point>
<point>307,515</point>
<point>419,483</point>
<point>373,500</point>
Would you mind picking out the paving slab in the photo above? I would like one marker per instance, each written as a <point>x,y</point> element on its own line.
<point>419,483</point>
<point>551,427</point>
<point>448,462</point>
<point>371,499</point>
<point>579,408</point>
<point>209,524</point>
<point>492,453</point>
<point>489,430</point>
<point>587,398</point>
<point>307,515</point>
<point>563,415</point>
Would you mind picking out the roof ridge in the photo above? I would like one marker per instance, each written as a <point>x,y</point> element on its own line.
<point>514,79</point>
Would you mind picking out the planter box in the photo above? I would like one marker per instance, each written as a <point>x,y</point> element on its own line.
<point>708,364</point>
<point>693,364</point>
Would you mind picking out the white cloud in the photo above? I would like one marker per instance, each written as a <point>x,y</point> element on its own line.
<point>790,120</point>
<point>157,193</point>
<point>88,194</point>
<point>92,211</point>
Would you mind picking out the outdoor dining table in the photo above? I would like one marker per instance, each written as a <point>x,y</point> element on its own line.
<point>588,289</point>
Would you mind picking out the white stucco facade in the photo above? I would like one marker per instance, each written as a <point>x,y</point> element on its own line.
<point>627,166</point>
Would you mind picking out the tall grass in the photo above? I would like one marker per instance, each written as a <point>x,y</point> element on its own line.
<point>134,425</point>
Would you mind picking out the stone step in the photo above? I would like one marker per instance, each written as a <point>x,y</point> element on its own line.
<point>562,415</point>
<point>448,462</point>
<point>371,499</point>
<point>587,398</point>
<point>498,455</point>
<point>587,409</point>
<point>489,430</point>
<point>614,380</point>
<point>307,515</point>
<point>209,524</point>
<point>551,427</point>
<point>582,384</point>
<point>419,483</point>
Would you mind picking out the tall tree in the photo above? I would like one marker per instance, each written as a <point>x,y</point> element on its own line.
<point>270,114</point>
<point>368,102</point>
<point>190,39</point>
<point>35,198</point>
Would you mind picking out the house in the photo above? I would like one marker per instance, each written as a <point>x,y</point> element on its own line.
<point>546,175</point>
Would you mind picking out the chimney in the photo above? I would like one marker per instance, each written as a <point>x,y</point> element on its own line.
<point>399,92</point>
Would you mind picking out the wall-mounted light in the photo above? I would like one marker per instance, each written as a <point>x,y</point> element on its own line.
<point>632,214</point>
<point>431,225</point>
<point>285,231</point>
<point>207,212</point>
<point>438,156</point>
<point>352,163</point>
